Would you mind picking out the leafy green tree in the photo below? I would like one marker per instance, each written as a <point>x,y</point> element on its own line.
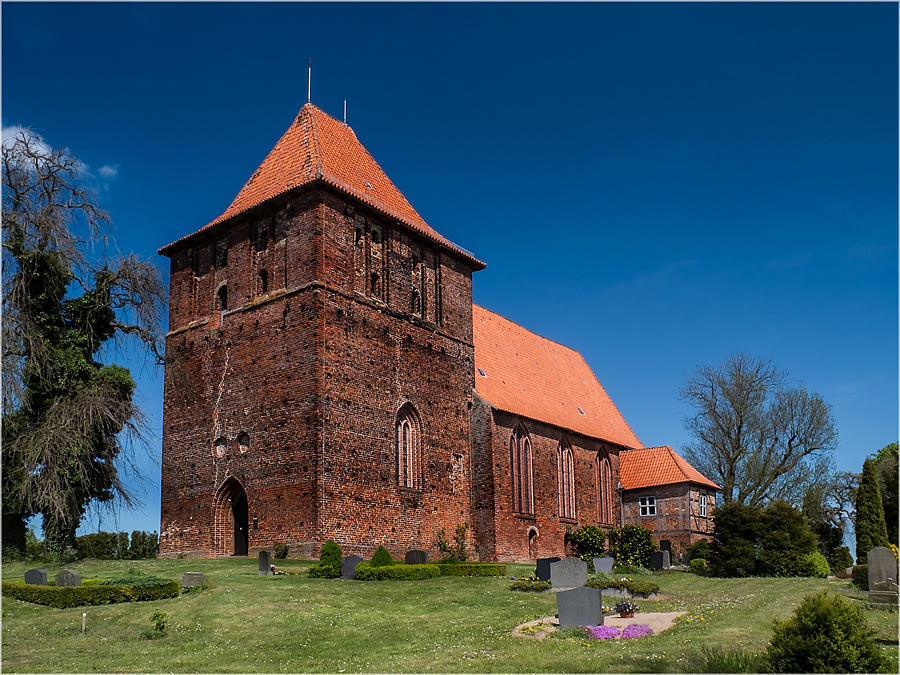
<point>755,436</point>
<point>785,542</point>
<point>871,530</point>
<point>588,542</point>
<point>63,410</point>
<point>735,540</point>
<point>886,461</point>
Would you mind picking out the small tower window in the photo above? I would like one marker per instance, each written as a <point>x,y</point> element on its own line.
<point>222,296</point>
<point>221,446</point>
<point>374,281</point>
<point>416,303</point>
<point>243,442</point>
<point>263,281</point>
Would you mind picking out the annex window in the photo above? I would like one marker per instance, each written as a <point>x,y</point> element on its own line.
<point>703,506</point>
<point>604,491</point>
<point>520,471</point>
<point>565,478</point>
<point>648,506</point>
<point>409,448</point>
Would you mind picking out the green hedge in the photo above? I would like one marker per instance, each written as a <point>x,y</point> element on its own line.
<point>473,570</point>
<point>529,586</point>
<point>365,572</point>
<point>635,587</point>
<point>63,597</point>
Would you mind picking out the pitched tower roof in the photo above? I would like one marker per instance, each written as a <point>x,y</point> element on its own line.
<point>317,147</point>
<point>543,380</point>
<point>649,467</point>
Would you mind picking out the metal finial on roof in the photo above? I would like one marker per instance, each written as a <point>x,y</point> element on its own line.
<point>309,82</point>
<point>345,111</point>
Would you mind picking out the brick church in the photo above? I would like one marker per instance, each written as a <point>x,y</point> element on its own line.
<point>334,380</point>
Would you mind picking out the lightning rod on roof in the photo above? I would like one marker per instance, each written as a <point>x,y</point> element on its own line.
<point>345,111</point>
<point>309,82</point>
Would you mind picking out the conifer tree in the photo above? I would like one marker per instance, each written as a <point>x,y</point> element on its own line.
<point>871,530</point>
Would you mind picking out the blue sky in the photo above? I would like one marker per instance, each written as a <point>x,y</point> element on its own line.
<point>654,185</point>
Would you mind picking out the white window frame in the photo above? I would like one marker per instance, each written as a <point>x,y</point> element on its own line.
<point>647,506</point>
<point>703,505</point>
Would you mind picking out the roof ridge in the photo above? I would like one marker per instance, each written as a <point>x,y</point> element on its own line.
<point>515,323</point>
<point>314,134</point>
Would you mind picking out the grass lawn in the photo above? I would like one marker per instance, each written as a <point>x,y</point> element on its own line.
<point>247,623</point>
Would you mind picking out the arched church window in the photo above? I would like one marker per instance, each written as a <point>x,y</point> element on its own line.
<point>565,477</point>
<point>604,491</point>
<point>409,448</point>
<point>520,471</point>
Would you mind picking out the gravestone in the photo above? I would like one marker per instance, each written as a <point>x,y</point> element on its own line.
<point>416,557</point>
<point>190,579</point>
<point>68,578</point>
<point>604,565</point>
<point>882,576</point>
<point>265,564</point>
<point>542,571</point>
<point>659,560</point>
<point>348,566</point>
<point>580,607</point>
<point>36,577</point>
<point>568,573</point>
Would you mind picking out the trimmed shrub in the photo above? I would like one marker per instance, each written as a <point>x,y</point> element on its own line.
<point>826,634</point>
<point>734,543</point>
<point>817,565</point>
<point>859,576</point>
<point>106,593</point>
<point>528,586</point>
<point>381,558</point>
<point>632,545</point>
<point>698,565</point>
<point>588,542</point>
<point>785,542</point>
<point>472,570</point>
<point>840,559</point>
<point>330,561</point>
<point>100,545</point>
<point>699,549</point>
<point>634,587</point>
<point>281,550</point>
<point>366,572</point>
<point>456,552</point>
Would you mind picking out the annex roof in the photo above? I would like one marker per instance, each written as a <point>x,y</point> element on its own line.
<point>525,374</point>
<point>650,467</point>
<point>317,147</point>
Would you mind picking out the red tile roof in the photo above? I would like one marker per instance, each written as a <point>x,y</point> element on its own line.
<point>319,147</point>
<point>534,377</point>
<point>649,467</point>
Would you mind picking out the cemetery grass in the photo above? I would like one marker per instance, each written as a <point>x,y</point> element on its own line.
<point>245,623</point>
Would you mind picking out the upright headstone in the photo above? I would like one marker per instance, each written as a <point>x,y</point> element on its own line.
<point>416,557</point>
<point>348,566</point>
<point>568,573</point>
<point>68,578</point>
<point>659,560</point>
<point>190,579</point>
<point>542,571</point>
<point>265,564</point>
<point>883,587</point>
<point>580,607</point>
<point>604,565</point>
<point>36,577</point>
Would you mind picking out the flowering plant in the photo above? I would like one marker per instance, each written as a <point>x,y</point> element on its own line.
<point>626,606</point>
<point>631,631</point>
<point>603,632</point>
<point>636,630</point>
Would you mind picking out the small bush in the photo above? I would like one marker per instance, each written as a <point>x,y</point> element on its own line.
<point>472,570</point>
<point>456,551</point>
<point>698,565</point>
<point>281,550</point>
<point>159,621</point>
<point>632,545</point>
<point>366,572</point>
<point>330,561</point>
<point>699,549</point>
<point>101,545</point>
<point>826,634</point>
<point>840,559</point>
<point>588,542</point>
<point>859,576</point>
<point>528,586</point>
<point>633,587</point>
<point>817,565</point>
<point>381,558</point>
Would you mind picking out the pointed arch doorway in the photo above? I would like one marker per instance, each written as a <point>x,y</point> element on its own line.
<point>232,519</point>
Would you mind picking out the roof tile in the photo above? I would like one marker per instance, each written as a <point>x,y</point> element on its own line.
<point>650,467</point>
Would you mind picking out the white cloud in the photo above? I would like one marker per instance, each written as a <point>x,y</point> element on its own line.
<point>109,171</point>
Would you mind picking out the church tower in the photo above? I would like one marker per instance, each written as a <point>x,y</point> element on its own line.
<point>323,363</point>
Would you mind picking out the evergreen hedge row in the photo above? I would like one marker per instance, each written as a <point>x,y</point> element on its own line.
<point>472,570</point>
<point>635,587</point>
<point>365,572</point>
<point>64,597</point>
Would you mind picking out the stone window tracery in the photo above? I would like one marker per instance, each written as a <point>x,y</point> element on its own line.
<point>409,448</point>
<point>520,471</point>
<point>604,491</point>
<point>565,476</point>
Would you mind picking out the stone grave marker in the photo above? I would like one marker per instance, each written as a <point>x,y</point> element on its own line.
<point>265,564</point>
<point>659,560</point>
<point>580,606</point>
<point>68,578</point>
<point>348,566</point>
<point>36,577</point>
<point>542,571</point>
<point>568,573</point>
<point>604,565</point>
<point>190,579</point>
<point>416,557</point>
<point>882,576</point>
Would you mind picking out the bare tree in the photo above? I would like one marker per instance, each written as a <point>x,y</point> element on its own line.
<point>757,437</point>
<point>64,412</point>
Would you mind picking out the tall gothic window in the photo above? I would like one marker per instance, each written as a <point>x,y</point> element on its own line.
<point>409,448</point>
<point>604,491</point>
<point>565,478</point>
<point>520,471</point>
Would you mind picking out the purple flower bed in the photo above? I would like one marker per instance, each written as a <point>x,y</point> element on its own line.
<point>631,631</point>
